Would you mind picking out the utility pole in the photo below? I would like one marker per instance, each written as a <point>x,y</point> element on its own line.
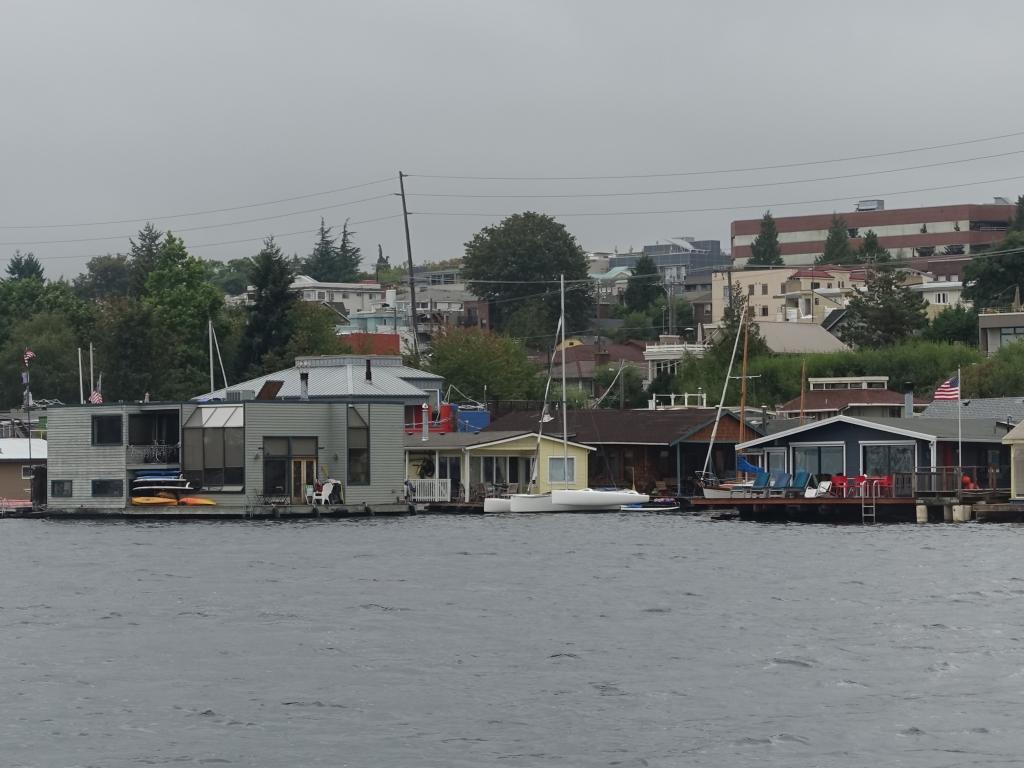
<point>412,281</point>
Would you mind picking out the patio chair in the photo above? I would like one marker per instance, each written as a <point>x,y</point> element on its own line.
<point>823,488</point>
<point>511,488</point>
<point>308,493</point>
<point>323,496</point>
<point>799,484</point>
<point>758,488</point>
<point>840,485</point>
<point>779,484</point>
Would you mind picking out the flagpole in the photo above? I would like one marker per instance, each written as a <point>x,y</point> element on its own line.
<point>92,380</point>
<point>81,392</point>
<point>959,422</point>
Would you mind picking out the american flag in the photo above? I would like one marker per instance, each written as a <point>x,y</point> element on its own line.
<point>95,397</point>
<point>949,389</point>
<point>29,354</point>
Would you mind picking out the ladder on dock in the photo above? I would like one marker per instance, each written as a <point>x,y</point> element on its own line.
<point>869,504</point>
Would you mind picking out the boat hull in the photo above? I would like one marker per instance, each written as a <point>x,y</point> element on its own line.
<point>588,498</point>
<point>536,502</point>
<point>493,506</point>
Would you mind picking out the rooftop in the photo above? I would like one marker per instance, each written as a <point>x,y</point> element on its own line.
<point>18,448</point>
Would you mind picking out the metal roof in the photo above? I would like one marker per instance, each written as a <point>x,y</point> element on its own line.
<point>335,381</point>
<point>979,407</point>
<point>17,449</point>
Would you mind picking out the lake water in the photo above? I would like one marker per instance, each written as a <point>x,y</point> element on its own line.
<point>564,640</point>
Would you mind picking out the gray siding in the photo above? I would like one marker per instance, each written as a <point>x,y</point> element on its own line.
<point>72,456</point>
<point>387,457</point>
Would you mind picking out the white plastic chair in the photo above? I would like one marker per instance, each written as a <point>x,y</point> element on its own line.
<point>324,494</point>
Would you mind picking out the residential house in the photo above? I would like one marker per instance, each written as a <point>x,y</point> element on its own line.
<point>941,294</point>
<point>1014,440</point>
<point>610,287</point>
<point>810,294</point>
<point>859,396</point>
<point>997,328</point>
<point>339,417</point>
<point>20,459</point>
<point>583,360</point>
<point>467,466</point>
<point>645,449</point>
<point>665,355</point>
<point>886,446</point>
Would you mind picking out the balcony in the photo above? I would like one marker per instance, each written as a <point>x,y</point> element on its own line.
<point>136,455</point>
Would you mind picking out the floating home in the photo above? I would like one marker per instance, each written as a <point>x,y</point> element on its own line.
<point>261,443</point>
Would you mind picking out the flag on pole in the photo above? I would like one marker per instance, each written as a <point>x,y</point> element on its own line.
<point>29,354</point>
<point>95,397</point>
<point>949,389</point>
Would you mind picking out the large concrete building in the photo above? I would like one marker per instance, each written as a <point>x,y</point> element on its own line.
<point>906,232</point>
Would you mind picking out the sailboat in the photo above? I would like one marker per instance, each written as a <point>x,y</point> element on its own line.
<point>571,499</point>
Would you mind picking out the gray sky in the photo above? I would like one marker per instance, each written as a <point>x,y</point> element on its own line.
<point>136,110</point>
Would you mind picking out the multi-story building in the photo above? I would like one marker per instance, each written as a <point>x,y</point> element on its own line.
<point>677,259</point>
<point>940,295</point>
<point>950,230</point>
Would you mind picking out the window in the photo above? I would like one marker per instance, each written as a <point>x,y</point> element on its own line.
<point>321,295</point>
<point>358,446</point>
<point>815,285</point>
<point>27,471</point>
<point>344,295</point>
<point>60,489</point>
<point>828,285</point>
<point>819,459</point>
<point>764,311</point>
<point>213,449</point>
<point>941,297</point>
<point>106,430</point>
<point>557,469</point>
<point>880,460</point>
<point>108,488</point>
<point>842,284</point>
<point>764,289</point>
<point>750,289</point>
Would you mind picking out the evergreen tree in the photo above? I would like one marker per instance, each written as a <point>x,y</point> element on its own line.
<point>886,313</point>
<point>349,256</point>
<point>871,252</point>
<point>322,263</point>
<point>142,257</point>
<point>837,244</point>
<point>644,285</point>
<point>765,250</point>
<point>105,277</point>
<point>269,325</point>
<point>24,267</point>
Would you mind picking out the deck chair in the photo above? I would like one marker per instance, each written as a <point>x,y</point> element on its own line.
<point>824,488</point>
<point>308,493</point>
<point>778,485</point>
<point>323,496</point>
<point>757,489</point>
<point>799,484</point>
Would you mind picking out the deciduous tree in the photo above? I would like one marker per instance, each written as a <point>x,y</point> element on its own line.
<point>475,361</point>
<point>954,324</point>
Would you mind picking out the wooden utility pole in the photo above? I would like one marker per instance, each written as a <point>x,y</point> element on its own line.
<point>412,280</point>
<point>803,378</point>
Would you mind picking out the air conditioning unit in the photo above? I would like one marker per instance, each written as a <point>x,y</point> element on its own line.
<point>238,395</point>
<point>871,205</point>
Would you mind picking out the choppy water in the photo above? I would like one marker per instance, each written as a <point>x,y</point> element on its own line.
<point>510,641</point>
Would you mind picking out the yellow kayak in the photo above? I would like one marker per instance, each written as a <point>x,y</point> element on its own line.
<point>196,501</point>
<point>153,501</point>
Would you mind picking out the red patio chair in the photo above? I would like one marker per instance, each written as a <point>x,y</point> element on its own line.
<point>840,485</point>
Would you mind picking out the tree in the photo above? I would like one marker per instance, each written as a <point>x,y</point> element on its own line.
<point>312,333</point>
<point>871,252</point>
<point>886,313</point>
<point>349,256</point>
<point>630,382</point>
<point>24,267</point>
<point>954,324</point>
<point>521,258</point>
<point>765,250</point>
<point>53,372</point>
<point>837,244</point>
<point>105,277</point>
<point>269,324</point>
<point>1017,222</point>
<point>333,260</point>
<point>142,257</point>
<point>644,286</point>
<point>230,277</point>
<point>126,336</point>
<point>478,362</point>
<point>990,281</point>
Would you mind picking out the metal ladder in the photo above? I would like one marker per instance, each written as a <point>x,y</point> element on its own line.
<point>868,504</point>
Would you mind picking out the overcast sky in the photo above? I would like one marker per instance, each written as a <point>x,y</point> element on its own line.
<point>140,110</point>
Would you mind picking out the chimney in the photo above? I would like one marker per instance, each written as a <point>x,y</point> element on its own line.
<point>304,385</point>
<point>908,399</point>
<point>369,372</point>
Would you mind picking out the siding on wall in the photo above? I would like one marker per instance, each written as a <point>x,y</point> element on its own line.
<point>72,456</point>
<point>11,484</point>
<point>387,457</point>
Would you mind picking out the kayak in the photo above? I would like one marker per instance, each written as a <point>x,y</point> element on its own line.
<point>196,501</point>
<point>153,501</point>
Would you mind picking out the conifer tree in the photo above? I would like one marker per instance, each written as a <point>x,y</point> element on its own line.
<point>269,327</point>
<point>765,250</point>
<point>871,252</point>
<point>837,244</point>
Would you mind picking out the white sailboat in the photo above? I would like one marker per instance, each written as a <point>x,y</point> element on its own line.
<point>572,499</point>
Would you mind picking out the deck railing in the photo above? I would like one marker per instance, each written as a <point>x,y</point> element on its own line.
<point>152,454</point>
<point>953,481</point>
<point>431,489</point>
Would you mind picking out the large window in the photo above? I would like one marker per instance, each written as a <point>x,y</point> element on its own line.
<point>213,443</point>
<point>358,446</point>
<point>557,472</point>
<point>106,430</point>
<point>289,464</point>
<point>60,488</point>
<point>108,488</point>
<point>819,459</point>
<point>881,460</point>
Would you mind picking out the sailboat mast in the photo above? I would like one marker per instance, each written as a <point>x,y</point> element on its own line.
<point>725,389</point>
<point>209,333</point>
<point>565,414</point>
<point>743,380</point>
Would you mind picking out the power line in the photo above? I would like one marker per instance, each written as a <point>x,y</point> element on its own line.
<point>205,226</point>
<point>716,189</point>
<point>776,166</point>
<point>197,213</point>
<point>734,207</point>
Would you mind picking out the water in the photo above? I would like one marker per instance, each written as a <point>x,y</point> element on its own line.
<point>510,641</point>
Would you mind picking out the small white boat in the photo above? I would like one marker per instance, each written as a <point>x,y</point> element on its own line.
<point>537,502</point>
<point>494,505</point>
<point>589,498</point>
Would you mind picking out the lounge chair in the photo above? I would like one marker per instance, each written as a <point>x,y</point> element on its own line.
<point>758,488</point>
<point>779,484</point>
<point>799,483</point>
<point>824,488</point>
